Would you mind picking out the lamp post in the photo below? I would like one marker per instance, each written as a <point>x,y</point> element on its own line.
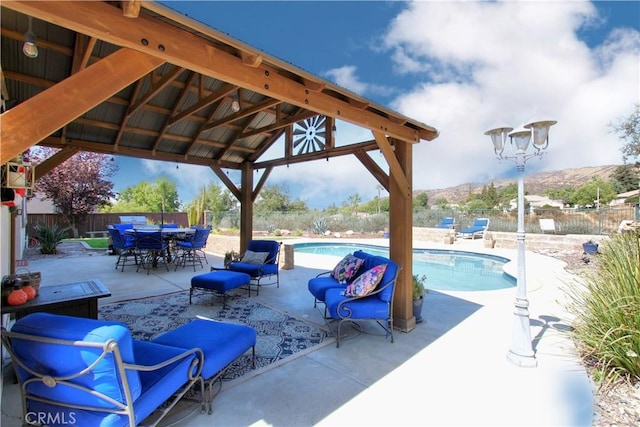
<point>521,351</point>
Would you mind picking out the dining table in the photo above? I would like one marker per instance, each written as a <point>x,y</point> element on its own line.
<point>171,234</point>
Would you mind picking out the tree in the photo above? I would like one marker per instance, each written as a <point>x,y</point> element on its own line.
<point>594,191</point>
<point>275,198</point>
<point>441,202</point>
<point>218,201</point>
<point>489,195</point>
<point>628,130</point>
<point>625,178</point>
<point>507,194</point>
<point>354,201</point>
<point>421,200</point>
<point>161,196</point>
<point>77,186</point>
<point>566,195</point>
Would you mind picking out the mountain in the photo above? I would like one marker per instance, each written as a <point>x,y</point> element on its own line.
<point>536,183</point>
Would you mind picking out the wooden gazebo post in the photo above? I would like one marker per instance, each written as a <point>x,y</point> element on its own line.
<point>401,237</point>
<point>246,206</point>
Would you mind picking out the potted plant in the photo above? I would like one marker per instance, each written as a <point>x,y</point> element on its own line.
<point>229,257</point>
<point>590,247</point>
<point>419,291</point>
<point>489,241</point>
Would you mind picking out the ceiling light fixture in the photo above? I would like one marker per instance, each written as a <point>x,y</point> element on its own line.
<point>235,104</point>
<point>29,47</point>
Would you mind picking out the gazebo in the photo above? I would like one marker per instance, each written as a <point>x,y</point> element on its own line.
<point>138,79</point>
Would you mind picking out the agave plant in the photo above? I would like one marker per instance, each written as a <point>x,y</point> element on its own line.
<point>50,237</point>
<point>320,226</point>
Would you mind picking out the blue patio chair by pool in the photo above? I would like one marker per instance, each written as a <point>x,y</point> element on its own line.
<point>478,228</point>
<point>448,222</point>
<point>125,247</point>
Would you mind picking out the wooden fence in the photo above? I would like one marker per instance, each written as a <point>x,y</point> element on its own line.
<point>99,222</point>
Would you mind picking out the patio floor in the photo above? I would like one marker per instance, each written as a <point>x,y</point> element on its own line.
<point>450,370</point>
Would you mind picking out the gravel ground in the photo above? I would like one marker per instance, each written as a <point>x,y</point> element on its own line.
<point>615,406</point>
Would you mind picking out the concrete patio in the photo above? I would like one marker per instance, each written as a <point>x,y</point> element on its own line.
<point>450,370</point>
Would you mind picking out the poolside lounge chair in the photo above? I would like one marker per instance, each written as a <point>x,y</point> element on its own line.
<point>478,228</point>
<point>448,222</point>
<point>548,225</point>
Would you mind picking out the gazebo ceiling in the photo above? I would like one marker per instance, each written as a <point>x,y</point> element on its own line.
<point>159,85</point>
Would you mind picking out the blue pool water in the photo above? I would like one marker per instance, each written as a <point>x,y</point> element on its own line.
<point>446,270</point>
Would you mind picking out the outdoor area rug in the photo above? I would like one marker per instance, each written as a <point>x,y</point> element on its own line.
<point>280,336</point>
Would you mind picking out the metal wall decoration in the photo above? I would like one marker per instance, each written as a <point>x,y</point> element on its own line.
<point>309,135</point>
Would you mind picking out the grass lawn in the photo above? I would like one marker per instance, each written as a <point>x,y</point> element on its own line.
<point>93,242</point>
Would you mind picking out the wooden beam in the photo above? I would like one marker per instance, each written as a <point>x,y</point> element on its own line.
<point>251,59</point>
<point>401,240</point>
<point>261,182</point>
<point>71,97</point>
<point>177,46</point>
<point>233,189</point>
<point>373,168</point>
<point>54,161</point>
<point>130,8</point>
<point>395,170</point>
<point>268,103</point>
<point>246,206</point>
<point>319,155</point>
<point>140,153</point>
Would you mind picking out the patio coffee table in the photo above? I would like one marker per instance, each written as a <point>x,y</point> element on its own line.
<point>78,299</point>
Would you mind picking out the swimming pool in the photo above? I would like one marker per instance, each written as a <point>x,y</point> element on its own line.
<point>446,270</point>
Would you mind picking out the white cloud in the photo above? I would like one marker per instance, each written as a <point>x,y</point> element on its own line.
<point>476,64</point>
<point>346,76</point>
<point>508,62</point>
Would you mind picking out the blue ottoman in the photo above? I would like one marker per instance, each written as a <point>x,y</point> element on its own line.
<point>219,281</point>
<point>220,342</point>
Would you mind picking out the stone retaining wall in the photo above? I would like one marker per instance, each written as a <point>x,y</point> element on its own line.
<point>219,244</point>
<point>508,240</point>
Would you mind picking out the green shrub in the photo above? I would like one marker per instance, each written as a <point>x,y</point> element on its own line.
<point>607,311</point>
<point>50,237</point>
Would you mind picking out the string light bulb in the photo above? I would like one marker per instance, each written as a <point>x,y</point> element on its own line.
<point>29,47</point>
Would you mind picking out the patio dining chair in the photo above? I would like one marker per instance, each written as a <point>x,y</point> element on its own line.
<point>125,246</point>
<point>191,251</point>
<point>151,248</point>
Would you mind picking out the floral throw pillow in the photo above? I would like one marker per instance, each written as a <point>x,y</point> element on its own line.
<point>366,282</point>
<point>347,268</point>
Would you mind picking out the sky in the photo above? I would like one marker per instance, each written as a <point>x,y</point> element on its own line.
<point>461,67</point>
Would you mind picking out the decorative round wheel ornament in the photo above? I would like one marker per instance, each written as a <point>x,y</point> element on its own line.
<point>309,135</point>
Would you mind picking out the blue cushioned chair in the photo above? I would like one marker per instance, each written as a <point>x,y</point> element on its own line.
<point>124,245</point>
<point>478,228</point>
<point>264,270</point>
<point>447,222</point>
<point>87,372</point>
<point>190,250</point>
<point>376,306</point>
<point>151,247</point>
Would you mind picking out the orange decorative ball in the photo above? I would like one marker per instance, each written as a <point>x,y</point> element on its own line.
<point>30,291</point>
<point>17,297</point>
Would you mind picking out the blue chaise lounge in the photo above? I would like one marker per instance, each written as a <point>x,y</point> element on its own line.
<point>87,372</point>
<point>478,228</point>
